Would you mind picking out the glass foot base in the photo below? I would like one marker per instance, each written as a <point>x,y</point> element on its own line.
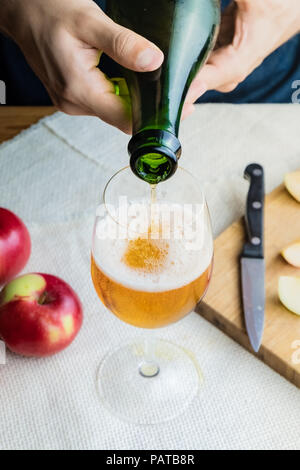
<point>146,393</point>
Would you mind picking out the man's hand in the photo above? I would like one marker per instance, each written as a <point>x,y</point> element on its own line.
<point>63,41</point>
<point>250,31</point>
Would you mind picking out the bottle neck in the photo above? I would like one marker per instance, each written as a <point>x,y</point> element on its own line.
<point>154,155</point>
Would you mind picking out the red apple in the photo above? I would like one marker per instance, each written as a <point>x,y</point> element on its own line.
<point>40,315</point>
<point>15,245</point>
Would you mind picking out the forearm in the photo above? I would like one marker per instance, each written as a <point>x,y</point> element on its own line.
<point>289,19</point>
<point>8,10</point>
<point>297,14</point>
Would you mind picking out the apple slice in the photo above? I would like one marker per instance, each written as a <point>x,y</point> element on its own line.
<point>292,184</point>
<point>292,254</point>
<point>289,293</point>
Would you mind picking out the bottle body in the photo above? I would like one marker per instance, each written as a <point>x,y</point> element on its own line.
<point>185,31</point>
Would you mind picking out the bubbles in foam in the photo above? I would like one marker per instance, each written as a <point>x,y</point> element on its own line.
<point>175,239</point>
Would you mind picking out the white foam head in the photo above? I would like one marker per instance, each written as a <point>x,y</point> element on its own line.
<point>188,237</point>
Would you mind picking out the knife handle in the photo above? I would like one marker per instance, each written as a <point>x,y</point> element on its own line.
<point>254,248</point>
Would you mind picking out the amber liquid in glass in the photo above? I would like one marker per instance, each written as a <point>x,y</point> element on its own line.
<point>149,309</point>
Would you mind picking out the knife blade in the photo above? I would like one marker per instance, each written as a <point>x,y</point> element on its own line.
<point>252,257</point>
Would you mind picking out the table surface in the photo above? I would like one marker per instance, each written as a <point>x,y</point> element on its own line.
<point>13,119</point>
<point>52,177</point>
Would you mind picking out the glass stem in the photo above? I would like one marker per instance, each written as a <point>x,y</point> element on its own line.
<point>149,366</point>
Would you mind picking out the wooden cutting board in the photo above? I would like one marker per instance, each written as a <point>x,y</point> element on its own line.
<point>223,305</point>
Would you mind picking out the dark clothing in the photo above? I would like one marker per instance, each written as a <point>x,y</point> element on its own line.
<point>269,83</point>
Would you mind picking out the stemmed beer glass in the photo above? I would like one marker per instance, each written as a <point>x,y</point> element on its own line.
<point>151,264</point>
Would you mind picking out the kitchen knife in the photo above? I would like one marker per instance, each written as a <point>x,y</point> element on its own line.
<point>252,257</point>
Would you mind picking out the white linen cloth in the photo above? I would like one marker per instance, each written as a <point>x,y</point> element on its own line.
<point>52,176</point>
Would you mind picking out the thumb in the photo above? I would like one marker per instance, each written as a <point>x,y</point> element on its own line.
<point>123,45</point>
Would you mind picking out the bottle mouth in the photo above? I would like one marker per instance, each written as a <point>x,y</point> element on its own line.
<point>153,165</point>
<point>154,155</point>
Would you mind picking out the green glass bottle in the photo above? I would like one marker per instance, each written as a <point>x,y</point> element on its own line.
<point>185,30</point>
